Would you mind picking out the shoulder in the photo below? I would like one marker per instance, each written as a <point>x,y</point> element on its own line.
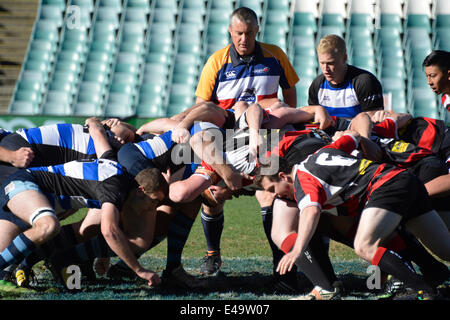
<point>272,50</point>
<point>361,75</point>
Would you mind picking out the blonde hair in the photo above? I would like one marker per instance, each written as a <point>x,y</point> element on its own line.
<point>333,44</point>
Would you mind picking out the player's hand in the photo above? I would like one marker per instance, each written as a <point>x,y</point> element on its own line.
<point>180,135</point>
<point>287,262</point>
<point>22,157</point>
<point>221,194</point>
<point>323,118</point>
<point>111,122</point>
<point>152,278</point>
<point>101,265</point>
<point>379,116</point>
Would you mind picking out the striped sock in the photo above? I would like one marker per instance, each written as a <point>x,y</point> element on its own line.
<point>66,238</point>
<point>20,248</point>
<point>212,228</point>
<point>177,235</point>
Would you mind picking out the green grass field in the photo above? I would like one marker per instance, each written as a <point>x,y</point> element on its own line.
<point>247,266</point>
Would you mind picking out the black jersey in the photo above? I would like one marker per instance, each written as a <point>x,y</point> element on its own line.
<point>331,176</point>
<point>84,184</point>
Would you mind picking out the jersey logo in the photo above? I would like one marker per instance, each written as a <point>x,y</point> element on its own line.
<point>324,160</point>
<point>230,74</point>
<point>363,166</point>
<point>400,146</point>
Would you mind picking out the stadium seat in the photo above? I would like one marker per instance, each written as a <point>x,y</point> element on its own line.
<point>418,14</point>
<point>29,85</point>
<point>223,5</point>
<point>259,6</point>
<point>84,4</point>
<point>56,108</point>
<point>115,4</point>
<point>181,97</point>
<point>23,108</point>
<point>39,55</point>
<point>141,4</point>
<point>63,86</point>
<point>86,109</point>
<point>33,97</point>
<point>333,20</point>
<point>118,110</point>
<point>51,12</point>
<point>152,109</point>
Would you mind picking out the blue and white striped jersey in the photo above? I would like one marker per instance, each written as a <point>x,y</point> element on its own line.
<point>360,91</point>
<point>84,184</point>
<point>65,136</point>
<point>160,149</point>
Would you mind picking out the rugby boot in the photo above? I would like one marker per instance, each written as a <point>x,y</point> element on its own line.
<point>179,278</point>
<point>211,263</point>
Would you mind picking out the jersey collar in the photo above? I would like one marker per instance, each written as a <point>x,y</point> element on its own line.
<point>237,60</point>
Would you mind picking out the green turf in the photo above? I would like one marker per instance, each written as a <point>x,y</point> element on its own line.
<point>246,270</point>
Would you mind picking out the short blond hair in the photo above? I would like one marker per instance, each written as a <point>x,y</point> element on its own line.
<point>333,44</point>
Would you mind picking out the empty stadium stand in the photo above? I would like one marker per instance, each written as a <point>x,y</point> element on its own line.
<point>142,58</point>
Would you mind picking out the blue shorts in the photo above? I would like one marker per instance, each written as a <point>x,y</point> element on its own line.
<point>14,184</point>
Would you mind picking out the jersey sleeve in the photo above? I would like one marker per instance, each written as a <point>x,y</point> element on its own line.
<point>308,191</point>
<point>207,81</point>
<point>346,143</point>
<point>369,92</point>
<point>386,129</point>
<point>289,71</point>
<point>114,190</point>
<point>313,91</point>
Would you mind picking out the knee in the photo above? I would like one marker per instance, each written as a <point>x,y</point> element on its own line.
<point>364,249</point>
<point>46,228</point>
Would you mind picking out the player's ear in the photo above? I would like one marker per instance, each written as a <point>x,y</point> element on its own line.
<point>283,176</point>
<point>140,191</point>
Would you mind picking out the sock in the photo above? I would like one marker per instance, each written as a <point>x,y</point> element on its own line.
<point>19,248</point>
<point>212,228</point>
<point>66,238</point>
<point>177,235</point>
<point>96,247</point>
<point>308,264</point>
<point>395,265</point>
<point>414,251</point>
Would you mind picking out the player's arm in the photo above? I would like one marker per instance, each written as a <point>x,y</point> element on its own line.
<point>118,242</point>
<point>98,135</point>
<point>307,225</point>
<point>290,96</point>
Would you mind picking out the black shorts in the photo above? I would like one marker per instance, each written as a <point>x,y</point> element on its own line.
<point>404,195</point>
<point>429,168</point>
<point>230,120</point>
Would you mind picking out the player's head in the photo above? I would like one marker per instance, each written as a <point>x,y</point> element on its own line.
<point>332,56</point>
<point>437,70</point>
<point>280,182</point>
<point>243,29</point>
<point>152,184</point>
